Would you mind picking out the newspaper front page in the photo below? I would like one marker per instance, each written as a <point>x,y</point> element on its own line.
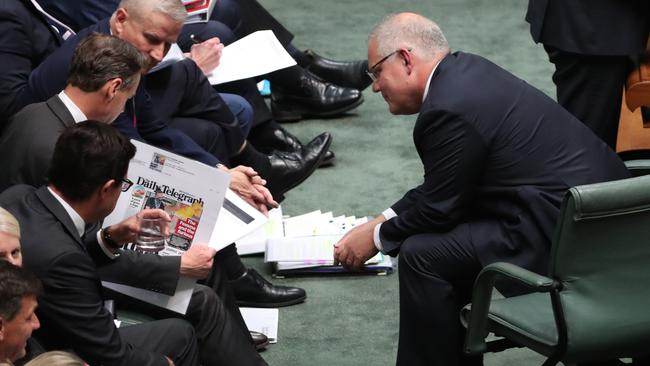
<point>191,193</point>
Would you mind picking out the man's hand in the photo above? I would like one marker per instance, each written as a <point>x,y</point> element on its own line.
<point>197,261</point>
<point>169,361</point>
<point>127,230</point>
<point>251,187</point>
<point>357,246</point>
<point>207,55</point>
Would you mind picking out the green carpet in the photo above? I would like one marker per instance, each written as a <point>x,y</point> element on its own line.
<point>354,320</point>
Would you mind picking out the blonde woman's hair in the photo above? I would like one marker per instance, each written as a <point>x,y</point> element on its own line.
<point>56,358</point>
<point>8,223</point>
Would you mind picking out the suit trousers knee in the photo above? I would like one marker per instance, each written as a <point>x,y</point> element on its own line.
<point>436,274</point>
<point>173,338</point>
<point>591,88</point>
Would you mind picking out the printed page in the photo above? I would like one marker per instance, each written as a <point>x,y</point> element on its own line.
<point>191,193</point>
<point>236,220</point>
<point>257,54</point>
<point>261,320</point>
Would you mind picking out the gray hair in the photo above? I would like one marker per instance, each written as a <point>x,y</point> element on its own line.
<point>56,358</point>
<point>8,223</point>
<point>409,30</point>
<point>172,8</point>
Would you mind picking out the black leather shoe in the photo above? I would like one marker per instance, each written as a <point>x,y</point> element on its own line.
<point>288,169</point>
<point>315,98</point>
<point>253,290</point>
<point>350,74</point>
<point>282,140</point>
<point>260,341</point>
<point>328,160</point>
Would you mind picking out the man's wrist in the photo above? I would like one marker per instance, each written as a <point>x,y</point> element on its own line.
<point>108,239</point>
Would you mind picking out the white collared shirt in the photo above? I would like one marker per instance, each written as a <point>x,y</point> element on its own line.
<point>76,113</point>
<point>389,213</point>
<point>80,224</point>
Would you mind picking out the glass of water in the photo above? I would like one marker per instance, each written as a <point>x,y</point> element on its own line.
<point>151,237</point>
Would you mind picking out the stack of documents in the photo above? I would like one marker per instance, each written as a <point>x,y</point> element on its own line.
<point>304,244</point>
<point>198,11</point>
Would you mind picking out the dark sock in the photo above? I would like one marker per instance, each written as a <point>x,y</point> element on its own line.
<point>229,260</point>
<point>254,159</point>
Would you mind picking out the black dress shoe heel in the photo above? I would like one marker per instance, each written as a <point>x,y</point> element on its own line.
<point>255,291</point>
<point>260,341</point>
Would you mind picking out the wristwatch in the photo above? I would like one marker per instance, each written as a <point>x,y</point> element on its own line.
<point>108,240</point>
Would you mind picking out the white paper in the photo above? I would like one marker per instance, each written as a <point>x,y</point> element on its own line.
<point>318,250</point>
<point>255,242</point>
<point>257,54</point>
<point>236,220</point>
<point>264,321</point>
<point>193,194</point>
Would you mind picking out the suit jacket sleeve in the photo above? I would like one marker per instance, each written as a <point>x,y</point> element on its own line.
<point>152,272</point>
<point>153,130</point>
<point>452,152</point>
<point>76,311</point>
<point>20,46</point>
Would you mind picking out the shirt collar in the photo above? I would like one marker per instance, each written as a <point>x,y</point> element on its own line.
<point>426,88</point>
<point>78,222</point>
<point>76,113</point>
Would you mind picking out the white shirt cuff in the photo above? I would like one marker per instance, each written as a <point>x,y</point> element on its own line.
<point>109,253</point>
<point>375,238</point>
<point>389,213</point>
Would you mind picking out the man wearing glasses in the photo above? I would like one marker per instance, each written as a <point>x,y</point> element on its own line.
<point>498,156</point>
<point>62,245</point>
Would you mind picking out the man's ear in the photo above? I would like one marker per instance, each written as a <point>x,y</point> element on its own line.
<point>107,188</point>
<point>112,87</point>
<point>407,59</point>
<point>121,16</point>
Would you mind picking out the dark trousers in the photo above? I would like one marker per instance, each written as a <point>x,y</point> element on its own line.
<point>591,88</point>
<point>223,338</point>
<point>436,274</point>
<point>181,91</point>
<point>173,338</point>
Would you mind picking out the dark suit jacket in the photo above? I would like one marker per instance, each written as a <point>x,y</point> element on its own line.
<point>499,154</point>
<point>25,41</point>
<point>71,307</point>
<point>48,79</point>
<point>28,142</point>
<point>591,27</point>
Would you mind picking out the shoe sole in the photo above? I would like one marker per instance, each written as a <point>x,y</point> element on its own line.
<point>271,305</point>
<point>309,172</point>
<point>262,346</point>
<point>297,114</point>
<point>327,163</point>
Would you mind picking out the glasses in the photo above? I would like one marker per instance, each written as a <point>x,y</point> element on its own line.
<point>372,71</point>
<point>126,184</point>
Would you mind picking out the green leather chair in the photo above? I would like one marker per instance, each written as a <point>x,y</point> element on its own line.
<point>594,305</point>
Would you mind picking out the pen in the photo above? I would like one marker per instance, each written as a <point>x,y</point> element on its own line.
<point>195,39</point>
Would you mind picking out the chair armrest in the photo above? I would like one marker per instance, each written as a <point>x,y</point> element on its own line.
<point>638,167</point>
<point>482,296</point>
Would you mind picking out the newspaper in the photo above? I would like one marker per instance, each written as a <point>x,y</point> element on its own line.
<point>191,193</point>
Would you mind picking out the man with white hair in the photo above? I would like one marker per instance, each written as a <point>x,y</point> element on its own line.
<point>498,156</point>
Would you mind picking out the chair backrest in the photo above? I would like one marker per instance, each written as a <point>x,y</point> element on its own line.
<point>601,255</point>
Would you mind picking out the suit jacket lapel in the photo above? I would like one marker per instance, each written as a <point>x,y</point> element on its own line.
<point>51,203</point>
<point>60,111</point>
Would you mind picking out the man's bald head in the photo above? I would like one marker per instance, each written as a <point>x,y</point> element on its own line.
<point>140,8</point>
<point>410,31</point>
